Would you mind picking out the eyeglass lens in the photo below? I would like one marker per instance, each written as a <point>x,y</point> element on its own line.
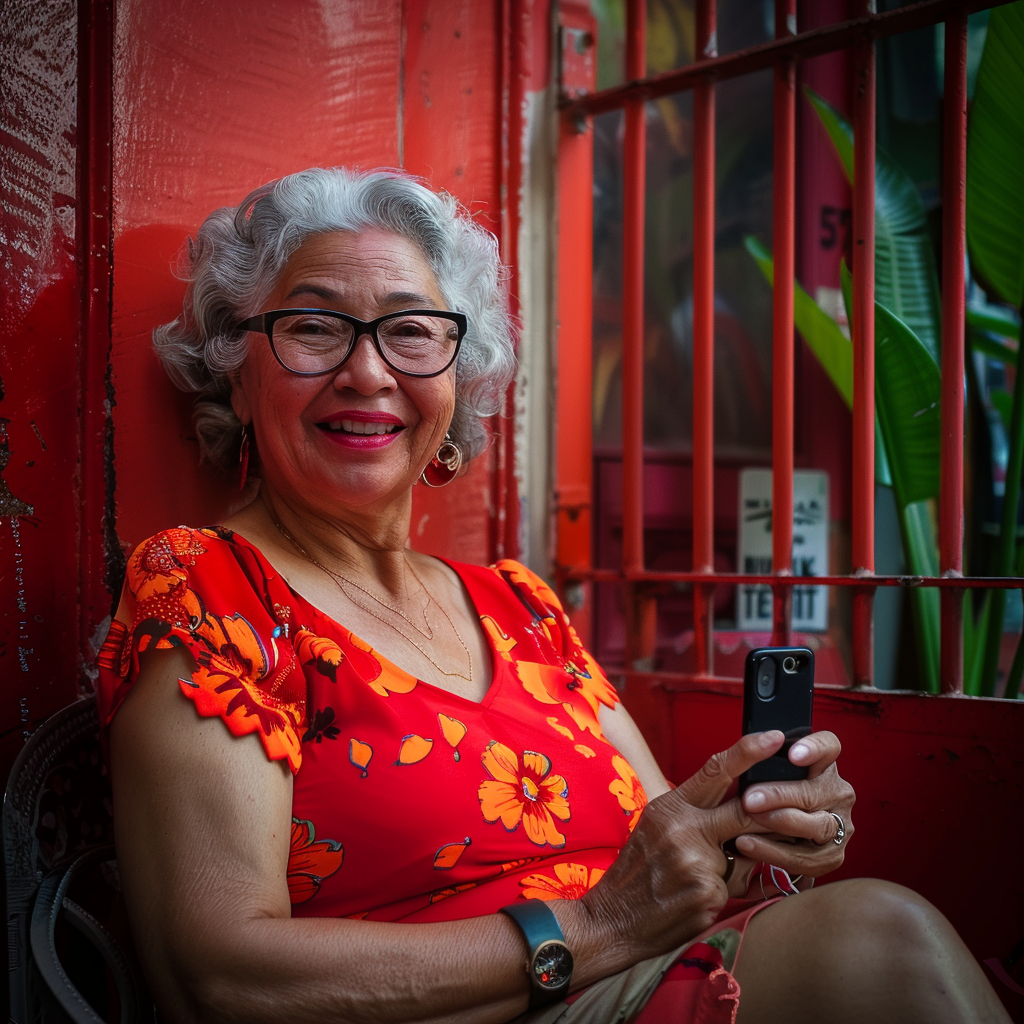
<point>311,343</point>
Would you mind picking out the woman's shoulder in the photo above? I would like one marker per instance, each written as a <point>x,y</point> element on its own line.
<point>186,553</point>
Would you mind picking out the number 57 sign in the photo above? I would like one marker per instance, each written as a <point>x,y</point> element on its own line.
<point>810,549</point>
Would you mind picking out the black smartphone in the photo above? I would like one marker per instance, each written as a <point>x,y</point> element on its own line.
<point>778,693</point>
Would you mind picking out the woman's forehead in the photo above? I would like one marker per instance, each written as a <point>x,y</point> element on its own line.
<point>336,263</point>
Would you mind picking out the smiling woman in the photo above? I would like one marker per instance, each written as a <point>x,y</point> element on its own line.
<point>419,780</point>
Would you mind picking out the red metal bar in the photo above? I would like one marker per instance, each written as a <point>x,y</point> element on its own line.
<point>783,235</point>
<point>704,341</point>
<point>855,582</point>
<point>573,439</point>
<point>757,58</point>
<point>99,554</point>
<point>951,490</point>
<point>634,191</point>
<point>863,330</point>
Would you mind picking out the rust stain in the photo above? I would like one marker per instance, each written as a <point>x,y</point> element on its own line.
<point>42,443</point>
<point>9,504</point>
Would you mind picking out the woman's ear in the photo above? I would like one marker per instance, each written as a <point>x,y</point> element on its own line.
<point>240,401</point>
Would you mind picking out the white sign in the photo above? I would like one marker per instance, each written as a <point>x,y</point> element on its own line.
<point>810,549</point>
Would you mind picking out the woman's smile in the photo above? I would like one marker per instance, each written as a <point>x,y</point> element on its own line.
<point>362,430</point>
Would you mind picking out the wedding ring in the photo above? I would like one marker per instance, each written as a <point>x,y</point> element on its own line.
<point>841,826</point>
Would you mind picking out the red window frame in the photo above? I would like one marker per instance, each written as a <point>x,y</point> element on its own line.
<point>574,483</point>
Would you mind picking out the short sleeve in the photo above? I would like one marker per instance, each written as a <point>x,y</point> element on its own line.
<point>199,591</point>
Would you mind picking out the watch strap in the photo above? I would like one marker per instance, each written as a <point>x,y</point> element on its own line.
<point>539,927</point>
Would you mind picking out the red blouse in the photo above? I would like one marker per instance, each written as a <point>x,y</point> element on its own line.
<point>410,803</point>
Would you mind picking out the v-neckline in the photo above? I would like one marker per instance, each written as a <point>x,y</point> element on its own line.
<point>497,663</point>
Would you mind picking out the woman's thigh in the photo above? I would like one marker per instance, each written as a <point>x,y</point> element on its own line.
<point>855,951</point>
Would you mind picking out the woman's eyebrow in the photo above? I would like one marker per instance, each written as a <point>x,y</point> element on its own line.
<point>406,299</point>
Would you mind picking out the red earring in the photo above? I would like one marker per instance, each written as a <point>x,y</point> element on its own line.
<point>243,458</point>
<point>444,467</point>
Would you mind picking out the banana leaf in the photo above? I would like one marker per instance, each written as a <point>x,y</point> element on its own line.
<point>828,343</point>
<point>994,320</point>
<point>995,159</point>
<point>995,238</point>
<point>908,391</point>
<point>906,280</point>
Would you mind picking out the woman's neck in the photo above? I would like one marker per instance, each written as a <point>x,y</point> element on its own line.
<point>367,547</point>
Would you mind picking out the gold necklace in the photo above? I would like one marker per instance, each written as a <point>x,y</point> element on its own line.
<point>339,580</point>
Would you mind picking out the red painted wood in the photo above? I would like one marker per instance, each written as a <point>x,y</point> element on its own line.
<point>951,493</point>
<point>784,252</point>
<point>704,340</point>
<point>451,123</point>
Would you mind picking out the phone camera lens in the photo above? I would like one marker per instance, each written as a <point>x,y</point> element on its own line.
<point>766,679</point>
<point>789,664</point>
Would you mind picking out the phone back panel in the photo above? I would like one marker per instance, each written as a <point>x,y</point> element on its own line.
<point>788,707</point>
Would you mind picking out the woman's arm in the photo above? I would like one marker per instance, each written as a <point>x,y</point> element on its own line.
<point>203,832</point>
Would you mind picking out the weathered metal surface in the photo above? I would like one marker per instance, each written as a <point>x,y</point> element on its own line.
<point>39,435</point>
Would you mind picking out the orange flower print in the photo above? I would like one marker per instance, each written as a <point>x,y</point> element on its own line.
<point>363,661</point>
<point>559,728</point>
<point>530,795</point>
<point>571,881</point>
<point>443,894</point>
<point>319,651</point>
<point>414,748</point>
<point>628,790</point>
<point>360,753</point>
<point>551,684</point>
<point>503,643</point>
<point>582,748</point>
<point>453,731</point>
<point>448,856</point>
<point>311,861</point>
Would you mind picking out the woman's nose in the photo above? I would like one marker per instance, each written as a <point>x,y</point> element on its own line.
<point>364,370</point>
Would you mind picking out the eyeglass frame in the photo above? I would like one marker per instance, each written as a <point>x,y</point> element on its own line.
<point>263,323</point>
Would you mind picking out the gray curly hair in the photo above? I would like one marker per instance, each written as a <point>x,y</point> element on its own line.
<point>239,252</point>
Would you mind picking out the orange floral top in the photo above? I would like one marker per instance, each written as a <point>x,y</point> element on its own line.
<point>410,803</point>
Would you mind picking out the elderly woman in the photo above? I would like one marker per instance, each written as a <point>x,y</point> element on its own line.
<point>428,803</point>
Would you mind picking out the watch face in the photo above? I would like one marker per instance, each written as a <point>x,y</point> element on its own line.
<point>552,965</point>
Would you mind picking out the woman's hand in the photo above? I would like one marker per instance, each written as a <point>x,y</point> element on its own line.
<point>796,829</point>
<point>666,885</point>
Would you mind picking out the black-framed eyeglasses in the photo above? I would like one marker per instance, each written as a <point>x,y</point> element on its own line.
<point>311,342</point>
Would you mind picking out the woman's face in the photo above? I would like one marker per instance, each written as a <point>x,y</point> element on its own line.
<point>318,437</point>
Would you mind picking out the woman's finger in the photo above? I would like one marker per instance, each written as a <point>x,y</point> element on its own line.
<point>817,827</point>
<point>816,752</point>
<point>709,785</point>
<point>807,858</point>
<point>827,792</point>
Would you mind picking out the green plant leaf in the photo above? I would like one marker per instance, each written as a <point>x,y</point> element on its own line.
<point>975,632</point>
<point>1003,403</point>
<point>908,390</point>
<point>993,320</point>
<point>906,281</point>
<point>816,327</point>
<point>988,346</point>
<point>828,343</point>
<point>995,159</point>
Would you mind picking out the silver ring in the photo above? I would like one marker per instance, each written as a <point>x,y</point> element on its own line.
<point>841,825</point>
<point>730,866</point>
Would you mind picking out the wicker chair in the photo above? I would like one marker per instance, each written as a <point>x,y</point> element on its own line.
<point>70,954</point>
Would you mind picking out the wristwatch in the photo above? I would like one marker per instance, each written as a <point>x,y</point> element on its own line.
<point>549,964</point>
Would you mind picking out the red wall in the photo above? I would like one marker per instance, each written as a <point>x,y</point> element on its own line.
<point>123,125</point>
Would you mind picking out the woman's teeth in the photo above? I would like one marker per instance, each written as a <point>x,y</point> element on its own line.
<point>358,427</point>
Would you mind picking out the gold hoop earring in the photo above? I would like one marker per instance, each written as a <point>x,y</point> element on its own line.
<point>444,467</point>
